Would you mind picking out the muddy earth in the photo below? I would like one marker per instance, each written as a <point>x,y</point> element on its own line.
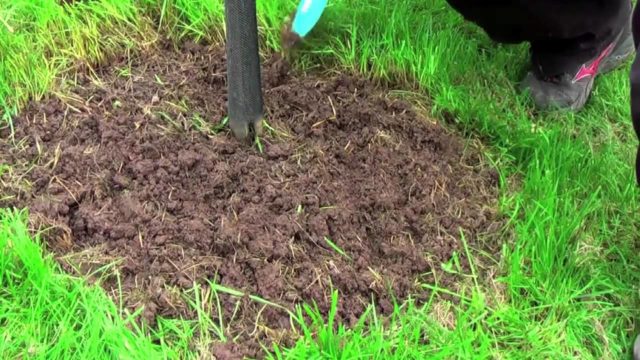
<point>352,190</point>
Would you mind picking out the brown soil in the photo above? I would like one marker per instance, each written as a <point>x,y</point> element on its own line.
<point>288,38</point>
<point>120,171</point>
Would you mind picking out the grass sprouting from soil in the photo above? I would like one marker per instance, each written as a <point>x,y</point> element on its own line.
<point>47,314</point>
<point>565,283</point>
<point>40,40</point>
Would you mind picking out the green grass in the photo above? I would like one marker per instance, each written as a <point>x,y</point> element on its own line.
<point>565,283</point>
<point>39,40</point>
<point>46,314</point>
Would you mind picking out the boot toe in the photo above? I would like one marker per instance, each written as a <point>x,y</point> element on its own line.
<point>561,95</point>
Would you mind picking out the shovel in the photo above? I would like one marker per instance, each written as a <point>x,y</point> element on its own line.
<point>304,19</point>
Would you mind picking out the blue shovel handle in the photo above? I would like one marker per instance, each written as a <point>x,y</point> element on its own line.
<point>307,16</point>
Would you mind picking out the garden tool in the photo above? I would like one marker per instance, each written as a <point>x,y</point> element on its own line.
<point>305,18</point>
<point>245,101</point>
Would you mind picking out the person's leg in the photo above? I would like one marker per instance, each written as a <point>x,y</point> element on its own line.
<point>569,41</point>
<point>503,21</point>
<point>582,41</point>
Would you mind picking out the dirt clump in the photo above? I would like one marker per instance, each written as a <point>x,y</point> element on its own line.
<point>288,38</point>
<point>352,191</point>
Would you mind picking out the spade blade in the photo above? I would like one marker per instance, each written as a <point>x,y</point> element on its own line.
<point>307,16</point>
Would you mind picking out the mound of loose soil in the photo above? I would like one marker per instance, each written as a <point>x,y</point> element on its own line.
<point>130,167</point>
